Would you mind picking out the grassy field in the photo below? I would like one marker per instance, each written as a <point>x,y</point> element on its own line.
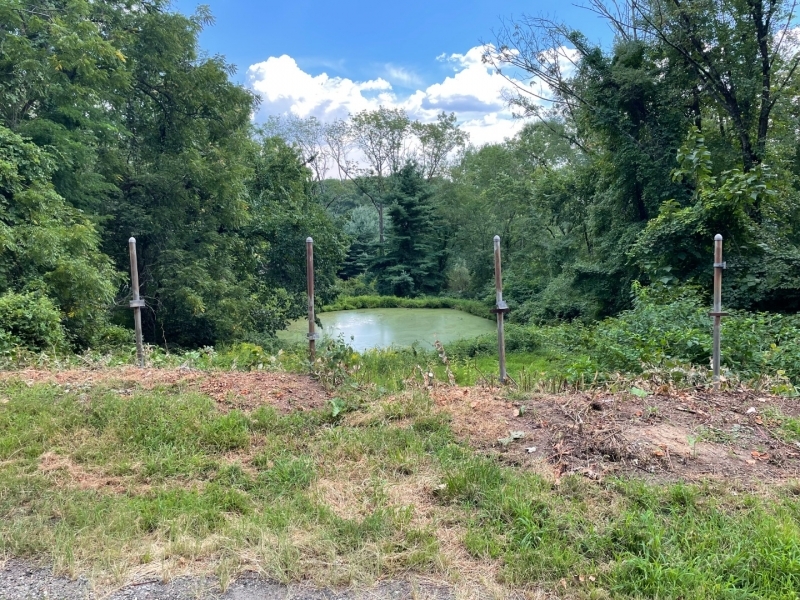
<point>118,480</point>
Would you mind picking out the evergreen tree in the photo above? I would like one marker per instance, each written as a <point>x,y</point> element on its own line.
<point>414,262</point>
<point>362,228</point>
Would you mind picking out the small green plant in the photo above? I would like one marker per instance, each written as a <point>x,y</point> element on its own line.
<point>335,362</point>
<point>338,406</point>
<point>692,441</point>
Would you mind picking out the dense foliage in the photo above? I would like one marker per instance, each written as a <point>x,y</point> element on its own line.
<point>113,123</point>
<point>634,158</point>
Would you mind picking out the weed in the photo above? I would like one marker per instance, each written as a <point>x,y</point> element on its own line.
<point>788,428</point>
<point>335,362</point>
<point>692,441</point>
<point>376,494</point>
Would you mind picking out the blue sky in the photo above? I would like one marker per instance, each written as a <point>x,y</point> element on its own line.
<point>326,59</point>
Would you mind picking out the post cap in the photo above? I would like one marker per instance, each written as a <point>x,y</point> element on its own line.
<point>132,240</point>
<point>718,238</point>
<point>497,238</point>
<point>309,240</point>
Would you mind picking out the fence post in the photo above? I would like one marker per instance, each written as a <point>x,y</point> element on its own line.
<point>312,335</point>
<point>136,303</point>
<point>716,312</point>
<point>500,309</point>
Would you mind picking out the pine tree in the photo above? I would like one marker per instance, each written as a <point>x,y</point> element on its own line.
<point>413,263</point>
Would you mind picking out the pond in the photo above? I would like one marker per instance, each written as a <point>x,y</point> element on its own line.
<point>383,327</point>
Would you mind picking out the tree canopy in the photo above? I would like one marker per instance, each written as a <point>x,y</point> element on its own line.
<point>114,123</point>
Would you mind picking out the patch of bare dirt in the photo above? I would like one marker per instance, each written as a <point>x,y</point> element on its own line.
<point>246,391</point>
<point>230,389</point>
<point>680,435</point>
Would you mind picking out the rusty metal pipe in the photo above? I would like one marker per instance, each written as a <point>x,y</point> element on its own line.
<point>717,310</point>
<point>136,303</point>
<point>312,335</point>
<point>501,308</point>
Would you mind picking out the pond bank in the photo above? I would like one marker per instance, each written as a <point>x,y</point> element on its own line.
<point>473,307</point>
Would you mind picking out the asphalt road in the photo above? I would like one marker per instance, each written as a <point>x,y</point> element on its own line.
<point>23,581</point>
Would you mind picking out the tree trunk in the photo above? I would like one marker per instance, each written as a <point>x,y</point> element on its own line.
<point>381,238</point>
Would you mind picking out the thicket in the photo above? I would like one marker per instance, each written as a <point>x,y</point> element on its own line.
<point>114,123</point>
<point>664,330</point>
<point>30,321</point>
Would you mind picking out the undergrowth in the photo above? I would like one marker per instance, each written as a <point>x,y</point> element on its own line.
<point>109,481</point>
<point>473,307</point>
<point>665,338</point>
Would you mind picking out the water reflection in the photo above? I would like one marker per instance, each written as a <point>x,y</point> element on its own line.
<point>383,327</point>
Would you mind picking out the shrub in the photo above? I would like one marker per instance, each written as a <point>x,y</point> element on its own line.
<point>31,321</point>
<point>673,327</point>
<point>518,339</point>
<point>472,307</point>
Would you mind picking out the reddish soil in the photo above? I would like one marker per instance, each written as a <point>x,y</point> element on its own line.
<point>686,435</point>
<point>231,389</point>
<point>679,435</point>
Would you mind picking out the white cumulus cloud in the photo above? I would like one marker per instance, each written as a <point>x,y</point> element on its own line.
<point>474,92</point>
<point>402,75</point>
<point>285,88</point>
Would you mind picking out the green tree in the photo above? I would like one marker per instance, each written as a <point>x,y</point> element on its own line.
<point>728,68</point>
<point>414,261</point>
<point>284,213</point>
<point>370,148</point>
<point>180,175</point>
<point>437,142</point>
<point>765,265</point>
<point>362,229</point>
<point>48,247</point>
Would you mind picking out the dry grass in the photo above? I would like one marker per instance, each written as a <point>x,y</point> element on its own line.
<point>230,389</point>
<point>301,495</point>
<point>65,473</point>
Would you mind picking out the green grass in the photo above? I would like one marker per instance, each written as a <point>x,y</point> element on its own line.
<point>787,428</point>
<point>189,482</point>
<point>390,369</point>
<point>634,540</point>
<point>155,478</point>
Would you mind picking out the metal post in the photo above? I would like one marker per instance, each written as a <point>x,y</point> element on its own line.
<point>312,335</point>
<point>500,309</point>
<point>136,304</point>
<point>716,312</point>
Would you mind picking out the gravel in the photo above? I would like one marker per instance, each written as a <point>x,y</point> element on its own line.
<point>23,581</point>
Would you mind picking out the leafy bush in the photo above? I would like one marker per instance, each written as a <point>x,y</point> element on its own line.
<point>31,321</point>
<point>667,328</point>
<point>356,286</point>
<point>762,343</point>
<point>115,336</point>
<point>472,307</point>
<point>656,330</point>
<point>518,339</point>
